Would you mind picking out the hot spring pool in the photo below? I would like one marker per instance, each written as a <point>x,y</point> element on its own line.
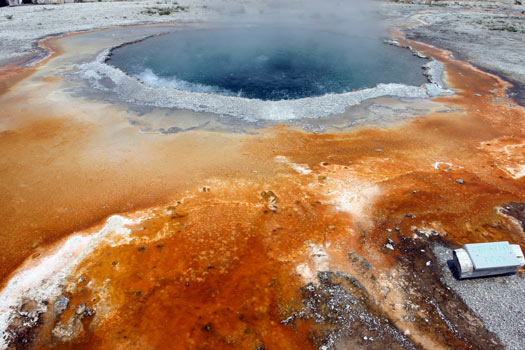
<point>267,63</point>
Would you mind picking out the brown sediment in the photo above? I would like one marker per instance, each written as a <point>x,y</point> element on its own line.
<point>240,225</point>
<point>12,74</point>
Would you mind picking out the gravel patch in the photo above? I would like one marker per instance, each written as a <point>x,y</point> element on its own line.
<point>22,26</point>
<point>497,301</point>
<point>470,34</point>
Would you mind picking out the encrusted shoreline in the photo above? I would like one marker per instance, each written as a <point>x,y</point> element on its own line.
<point>130,89</point>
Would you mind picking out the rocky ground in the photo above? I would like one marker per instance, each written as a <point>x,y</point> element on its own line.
<point>22,26</point>
<point>491,35</point>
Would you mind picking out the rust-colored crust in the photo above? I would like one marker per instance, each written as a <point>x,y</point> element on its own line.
<point>220,266</point>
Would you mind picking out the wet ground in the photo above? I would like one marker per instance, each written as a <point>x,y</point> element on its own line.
<point>274,239</point>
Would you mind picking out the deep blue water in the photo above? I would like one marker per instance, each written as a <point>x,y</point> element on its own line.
<point>268,64</point>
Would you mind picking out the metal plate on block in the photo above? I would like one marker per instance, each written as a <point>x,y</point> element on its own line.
<point>491,255</point>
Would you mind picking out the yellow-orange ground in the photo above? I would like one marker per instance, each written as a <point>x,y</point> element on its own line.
<point>220,260</point>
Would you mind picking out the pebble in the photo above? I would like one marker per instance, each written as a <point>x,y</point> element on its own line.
<point>80,309</point>
<point>389,246</point>
<point>60,305</point>
<point>460,181</point>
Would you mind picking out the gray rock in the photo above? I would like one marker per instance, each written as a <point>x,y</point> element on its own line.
<point>80,309</point>
<point>60,305</point>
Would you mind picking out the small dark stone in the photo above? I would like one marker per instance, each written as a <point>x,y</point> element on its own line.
<point>143,248</point>
<point>89,312</point>
<point>114,263</point>
<point>207,327</point>
<point>366,265</point>
<point>187,284</point>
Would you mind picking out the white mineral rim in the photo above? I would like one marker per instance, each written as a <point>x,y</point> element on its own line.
<point>43,281</point>
<point>132,90</point>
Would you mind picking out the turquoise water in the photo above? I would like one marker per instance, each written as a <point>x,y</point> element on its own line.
<point>268,64</point>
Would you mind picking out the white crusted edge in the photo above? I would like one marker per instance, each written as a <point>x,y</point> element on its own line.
<point>43,281</point>
<point>132,90</point>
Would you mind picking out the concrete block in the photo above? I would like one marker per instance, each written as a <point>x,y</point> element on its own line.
<point>487,259</point>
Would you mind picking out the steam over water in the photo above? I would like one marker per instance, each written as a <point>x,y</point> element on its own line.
<point>277,63</point>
